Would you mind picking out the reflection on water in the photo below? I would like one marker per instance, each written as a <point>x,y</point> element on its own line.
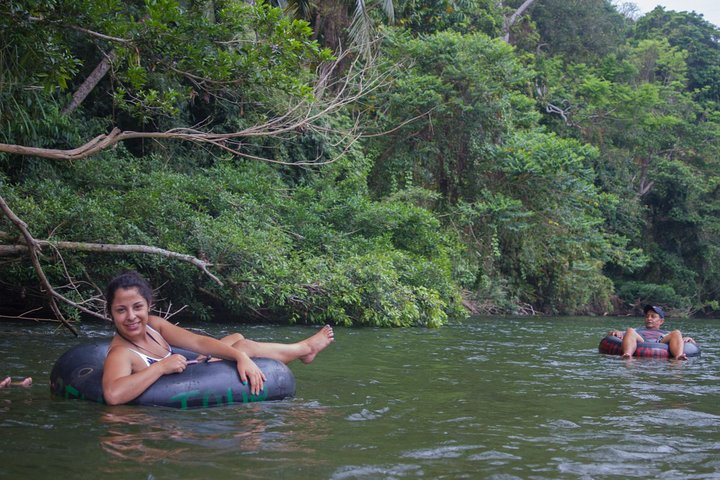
<point>132,436</point>
<point>489,398</point>
<point>148,435</point>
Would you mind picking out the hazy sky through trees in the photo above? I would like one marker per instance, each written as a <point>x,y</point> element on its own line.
<point>709,8</point>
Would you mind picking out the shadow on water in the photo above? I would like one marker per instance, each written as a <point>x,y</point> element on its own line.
<point>496,398</point>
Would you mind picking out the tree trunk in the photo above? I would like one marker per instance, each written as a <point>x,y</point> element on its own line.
<point>90,83</point>
<point>510,21</point>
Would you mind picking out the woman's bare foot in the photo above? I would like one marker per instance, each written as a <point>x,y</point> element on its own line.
<point>27,382</point>
<point>682,356</point>
<point>5,382</point>
<point>318,342</point>
<point>626,356</point>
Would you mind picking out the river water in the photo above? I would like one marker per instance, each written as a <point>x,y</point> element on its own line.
<point>495,398</point>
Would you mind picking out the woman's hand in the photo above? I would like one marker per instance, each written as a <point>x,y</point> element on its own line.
<point>175,363</point>
<point>250,372</point>
<point>615,333</point>
<point>688,340</point>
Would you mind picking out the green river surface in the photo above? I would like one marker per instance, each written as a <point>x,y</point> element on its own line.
<point>495,398</point>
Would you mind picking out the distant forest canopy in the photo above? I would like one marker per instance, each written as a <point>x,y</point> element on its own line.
<point>361,163</point>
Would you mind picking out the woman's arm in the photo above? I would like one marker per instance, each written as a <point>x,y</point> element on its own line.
<point>121,385</point>
<point>205,345</point>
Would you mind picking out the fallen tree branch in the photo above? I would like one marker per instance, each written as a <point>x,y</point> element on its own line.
<point>299,118</point>
<point>6,250</point>
<point>33,250</point>
<point>224,141</point>
<point>31,319</point>
<point>93,146</point>
<point>84,30</point>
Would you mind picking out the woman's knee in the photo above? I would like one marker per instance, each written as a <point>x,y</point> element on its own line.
<point>233,338</point>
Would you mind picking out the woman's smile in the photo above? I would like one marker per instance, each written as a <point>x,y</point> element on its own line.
<point>133,325</point>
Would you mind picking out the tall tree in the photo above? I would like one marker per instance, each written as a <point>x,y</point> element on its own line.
<point>579,30</point>
<point>689,31</point>
<point>657,149</point>
<point>523,200</point>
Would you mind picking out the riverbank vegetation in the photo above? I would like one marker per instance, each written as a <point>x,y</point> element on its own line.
<point>385,164</point>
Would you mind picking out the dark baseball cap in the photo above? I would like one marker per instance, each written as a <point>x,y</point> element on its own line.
<point>655,309</point>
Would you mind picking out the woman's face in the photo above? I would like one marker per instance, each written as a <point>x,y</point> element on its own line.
<point>129,311</point>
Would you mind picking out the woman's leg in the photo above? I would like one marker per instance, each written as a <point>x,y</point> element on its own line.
<point>304,350</point>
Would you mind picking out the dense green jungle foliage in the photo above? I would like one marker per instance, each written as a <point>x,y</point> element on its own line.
<point>436,170</point>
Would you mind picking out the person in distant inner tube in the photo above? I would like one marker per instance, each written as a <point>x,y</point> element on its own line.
<point>140,352</point>
<point>654,318</point>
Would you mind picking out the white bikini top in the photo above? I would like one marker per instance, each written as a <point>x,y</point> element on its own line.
<point>148,359</point>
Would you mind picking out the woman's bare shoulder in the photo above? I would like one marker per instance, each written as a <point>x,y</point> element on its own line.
<point>172,334</point>
<point>117,350</point>
<point>157,322</point>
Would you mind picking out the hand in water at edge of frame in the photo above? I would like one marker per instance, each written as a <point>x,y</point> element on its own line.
<point>27,382</point>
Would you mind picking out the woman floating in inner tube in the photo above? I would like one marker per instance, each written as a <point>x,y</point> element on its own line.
<point>140,352</point>
<point>654,318</point>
